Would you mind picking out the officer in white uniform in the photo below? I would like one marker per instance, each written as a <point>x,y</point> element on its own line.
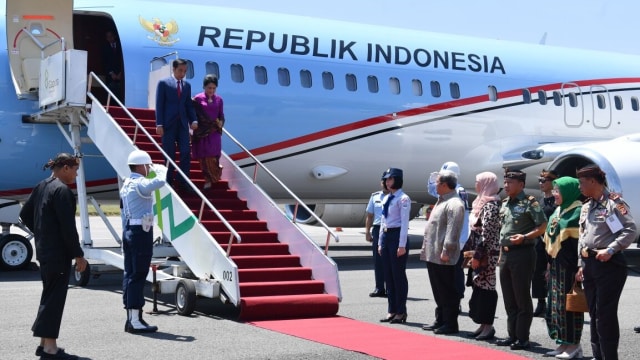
<point>137,237</point>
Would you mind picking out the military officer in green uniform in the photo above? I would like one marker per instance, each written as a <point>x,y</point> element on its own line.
<point>523,221</point>
<point>606,228</point>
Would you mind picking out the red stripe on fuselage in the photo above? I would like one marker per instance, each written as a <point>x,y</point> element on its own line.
<point>26,191</point>
<point>447,105</point>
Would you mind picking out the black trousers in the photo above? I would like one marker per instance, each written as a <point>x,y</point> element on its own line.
<point>447,297</point>
<point>55,283</point>
<point>516,271</point>
<point>603,284</point>
<point>538,282</point>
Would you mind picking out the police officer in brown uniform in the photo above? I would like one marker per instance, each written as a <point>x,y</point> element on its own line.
<point>522,222</point>
<point>606,228</point>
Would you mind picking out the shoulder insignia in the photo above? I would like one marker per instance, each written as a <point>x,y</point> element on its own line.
<point>621,208</point>
<point>532,199</point>
<point>614,196</point>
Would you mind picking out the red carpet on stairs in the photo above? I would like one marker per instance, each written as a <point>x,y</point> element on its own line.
<point>381,341</point>
<point>273,284</point>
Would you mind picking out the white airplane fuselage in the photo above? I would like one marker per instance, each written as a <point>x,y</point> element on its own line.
<point>329,105</point>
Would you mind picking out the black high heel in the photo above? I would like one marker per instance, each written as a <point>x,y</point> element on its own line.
<point>389,318</point>
<point>399,319</point>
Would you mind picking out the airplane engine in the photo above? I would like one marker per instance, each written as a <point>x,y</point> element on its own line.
<point>335,215</point>
<point>617,158</point>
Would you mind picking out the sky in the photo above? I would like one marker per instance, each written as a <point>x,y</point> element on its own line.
<point>587,24</point>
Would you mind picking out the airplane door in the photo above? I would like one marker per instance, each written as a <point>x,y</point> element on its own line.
<point>573,105</point>
<point>601,105</point>
<point>35,30</point>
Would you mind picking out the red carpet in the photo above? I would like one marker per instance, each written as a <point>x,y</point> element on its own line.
<point>273,284</point>
<point>381,341</point>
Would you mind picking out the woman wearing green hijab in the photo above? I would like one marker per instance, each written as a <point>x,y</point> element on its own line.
<point>561,243</point>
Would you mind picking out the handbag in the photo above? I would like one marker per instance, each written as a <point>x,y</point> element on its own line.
<point>576,299</point>
<point>468,257</point>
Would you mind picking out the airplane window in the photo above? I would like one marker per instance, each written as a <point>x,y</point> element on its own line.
<point>557,98</point>
<point>237,73</point>
<point>618,101</point>
<point>327,80</point>
<point>261,75</point>
<point>284,79</point>
<point>417,87</point>
<point>526,96</point>
<point>158,63</point>
<point>394,85</point>
<point>189,69</point>
<point>454,88</point>
<point>435,89</point>
<point>573,99</point>
<point>601,103</point>
<point>212,68</point>
<point>635,105</point>
<point>542,97</point>
<point>305,78</point>
<point>352,84</point>
<point>493,93</point>
<point>372,83</point>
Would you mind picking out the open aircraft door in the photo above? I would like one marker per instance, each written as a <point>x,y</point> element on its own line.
<point>35,29</point>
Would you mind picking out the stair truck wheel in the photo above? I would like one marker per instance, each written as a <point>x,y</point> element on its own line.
<point>16,252</point>
<point>185,297</point>
<point>81,278</point>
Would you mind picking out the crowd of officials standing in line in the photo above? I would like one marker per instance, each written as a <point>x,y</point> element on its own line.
<point>573,236</point>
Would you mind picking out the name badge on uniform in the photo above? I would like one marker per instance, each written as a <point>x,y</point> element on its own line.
<point>600,215</point>
<point>614,223</point>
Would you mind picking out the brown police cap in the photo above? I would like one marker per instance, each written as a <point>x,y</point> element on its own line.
<point>516,175</point>
<point>591,171</point>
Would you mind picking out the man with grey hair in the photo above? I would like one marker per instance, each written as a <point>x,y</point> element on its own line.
<point>441,250</point>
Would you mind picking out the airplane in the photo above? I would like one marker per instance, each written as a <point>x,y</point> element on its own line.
<point>329,105</point>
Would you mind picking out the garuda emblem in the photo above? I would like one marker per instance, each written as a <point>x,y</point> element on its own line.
<point>162,33</point>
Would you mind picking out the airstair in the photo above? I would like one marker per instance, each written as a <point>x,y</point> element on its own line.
<point>234,239</point>
<point>231,241</point>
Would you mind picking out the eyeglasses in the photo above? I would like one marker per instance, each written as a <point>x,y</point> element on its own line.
<point>555,192</point>
<point>543,180</point>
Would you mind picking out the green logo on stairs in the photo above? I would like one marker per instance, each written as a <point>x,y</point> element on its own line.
<point>175,230</point>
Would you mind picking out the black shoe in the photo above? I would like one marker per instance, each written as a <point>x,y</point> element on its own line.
<point>399,319</point>
<point>431,327</point>
<point>388,318</point>
<point>39,351</point>
<point>147,329</point>
<point>489,336</point>
<point>506,342</point>
<point>445,330</point>
<point>637,329</point>
<point>520,345</point>
<point>540,309</point>
<point>378,293</point>
<point>61,355</point>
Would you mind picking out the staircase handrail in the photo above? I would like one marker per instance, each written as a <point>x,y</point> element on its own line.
<point>299,202</point>
<point>205,201</point>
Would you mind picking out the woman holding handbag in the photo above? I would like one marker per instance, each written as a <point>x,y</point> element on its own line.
<point>484,221</point>
<point>561,243</point>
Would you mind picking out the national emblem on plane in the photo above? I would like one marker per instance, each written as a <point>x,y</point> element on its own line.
<point>162,33</point>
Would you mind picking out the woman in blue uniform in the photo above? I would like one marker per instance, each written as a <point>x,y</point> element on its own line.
<point>393,246</point>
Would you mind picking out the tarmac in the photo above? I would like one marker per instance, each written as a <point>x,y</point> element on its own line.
<point>92,326</point>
